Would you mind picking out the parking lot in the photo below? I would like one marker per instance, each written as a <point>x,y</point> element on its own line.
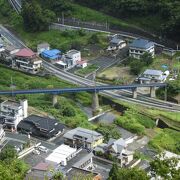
<point>33,159</point>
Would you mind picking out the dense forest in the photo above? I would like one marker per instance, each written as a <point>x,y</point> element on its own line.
<point>169,10</point>
<point>37,14</point>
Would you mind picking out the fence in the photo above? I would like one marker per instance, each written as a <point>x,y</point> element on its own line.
<point>84,24</point>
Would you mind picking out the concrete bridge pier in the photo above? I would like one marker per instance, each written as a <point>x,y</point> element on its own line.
<point>134,90</point>
<point>153,91</point>
<point>54,100</point>
<point>95,102</point>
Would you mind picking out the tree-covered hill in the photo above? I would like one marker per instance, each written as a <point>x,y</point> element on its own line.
<point>166,10</point>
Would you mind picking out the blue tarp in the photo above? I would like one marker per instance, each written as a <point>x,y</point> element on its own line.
<point>51,54</point>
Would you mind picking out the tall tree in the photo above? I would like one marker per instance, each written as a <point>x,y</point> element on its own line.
<point>166,168</point>
<point>35,18</point>
<point>114,172</point>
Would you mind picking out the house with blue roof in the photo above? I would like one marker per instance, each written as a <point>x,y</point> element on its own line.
<point>52,55</point>
<point>139,46</point>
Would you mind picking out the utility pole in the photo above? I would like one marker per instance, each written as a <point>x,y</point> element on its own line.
<point>62,17</point>
<point>165,93</point>
<point>12,87</point>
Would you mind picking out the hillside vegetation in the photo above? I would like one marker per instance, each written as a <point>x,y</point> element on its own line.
<point>66,110</point>
<point>161,15</point>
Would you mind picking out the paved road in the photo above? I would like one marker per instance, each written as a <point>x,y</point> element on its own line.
<point>11,38</point>
<point>149,102</point>
<point>121,95</point>
<point>24,138</point>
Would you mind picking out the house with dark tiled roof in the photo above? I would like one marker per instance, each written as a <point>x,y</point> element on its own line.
<point>40,126</point>
<point>139,46</point>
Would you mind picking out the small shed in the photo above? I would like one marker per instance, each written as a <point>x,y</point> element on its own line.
<point>42,47</point>
<point>82,64</point>
<point>53,54</point>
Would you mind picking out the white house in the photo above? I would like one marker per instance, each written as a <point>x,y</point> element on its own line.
<point>81,64</point>
<point>139,46</point>
<point>152,76</point>
<point>117,148</point>
<point>116,43</point>
<point>13,112</point>
<point>61,155</point>
<point>74,55</point>
<point>42,47</point>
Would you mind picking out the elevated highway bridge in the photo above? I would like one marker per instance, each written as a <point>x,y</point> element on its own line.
<point>93,89</point>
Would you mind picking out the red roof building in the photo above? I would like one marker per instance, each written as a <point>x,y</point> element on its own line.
<point>26,53</point>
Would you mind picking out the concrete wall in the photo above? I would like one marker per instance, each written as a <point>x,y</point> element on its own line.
<point>62,27</point>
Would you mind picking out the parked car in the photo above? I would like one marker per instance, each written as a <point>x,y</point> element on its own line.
<point>43,149</point>
<point>36,152</point>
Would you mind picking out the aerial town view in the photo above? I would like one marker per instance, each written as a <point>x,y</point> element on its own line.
<point>89,90</point>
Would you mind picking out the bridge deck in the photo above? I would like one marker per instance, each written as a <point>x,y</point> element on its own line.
<point>80,89</point>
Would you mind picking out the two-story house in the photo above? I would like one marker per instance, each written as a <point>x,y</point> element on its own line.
<point>117,148</point>
<point>13,112</point>
<point>139,46</point>
<point>72,57</point>
<point>26,59</point>
<point>81,137</point>
<point>116,43</point>
<point>152,76</point>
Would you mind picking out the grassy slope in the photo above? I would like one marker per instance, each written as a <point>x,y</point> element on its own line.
<point>87,14</point>
<point>44,102</point>
<point>166,139</point>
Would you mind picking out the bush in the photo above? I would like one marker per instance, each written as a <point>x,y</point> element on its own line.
<point>68,111</point>
<point>94,39</point>
<point>108,131</point>
<point>138,65</point>
<point>166,139</point>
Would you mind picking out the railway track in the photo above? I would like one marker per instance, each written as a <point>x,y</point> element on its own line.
<point>123,95</point>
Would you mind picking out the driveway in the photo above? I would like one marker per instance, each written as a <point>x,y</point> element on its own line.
<point>137,144</point>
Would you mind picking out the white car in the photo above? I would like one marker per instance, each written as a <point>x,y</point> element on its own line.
<point>43,149</point>
<point>36,152</point>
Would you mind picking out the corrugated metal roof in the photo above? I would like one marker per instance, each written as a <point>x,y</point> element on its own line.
<point>82,132</point>
<point>141,43</point>
<point>153,72</point>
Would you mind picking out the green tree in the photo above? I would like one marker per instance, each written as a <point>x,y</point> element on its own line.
<point>132,174</point>
<point>124,173</point>
<point>35,18</point>
<point>8,153</point>
<point>108,131</point>
<point>165,167</point>
<point>137,66</point>
<point>58,176</point>
<point>11,168</point>
<point>114,172</point>
<point>147,58</point>
<point>94,39</point>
